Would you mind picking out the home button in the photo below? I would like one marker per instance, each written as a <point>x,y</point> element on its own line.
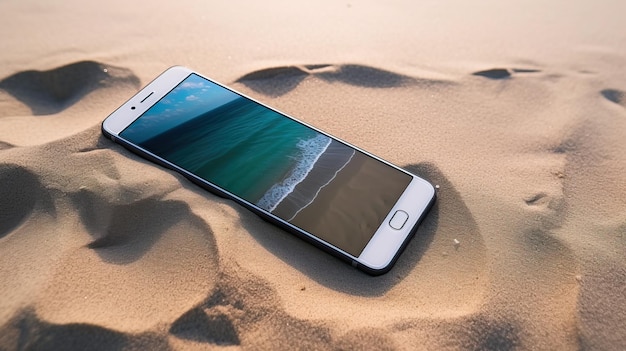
<point>398,220</point>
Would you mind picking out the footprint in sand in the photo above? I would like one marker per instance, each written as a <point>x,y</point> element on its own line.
<point>51,91</point>
<point>503,73</point>
<point>130,230</point>
<point>277,81</point>
<point>125,224</point>
<point>203,325</point>
<point>274,81</point>
<point>615,96</point>
<point>20,193</point>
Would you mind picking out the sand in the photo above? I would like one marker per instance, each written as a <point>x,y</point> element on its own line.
<point>517,110</point>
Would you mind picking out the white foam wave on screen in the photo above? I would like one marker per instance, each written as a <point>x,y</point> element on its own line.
<point>310,151</point>
<point>322,187</point>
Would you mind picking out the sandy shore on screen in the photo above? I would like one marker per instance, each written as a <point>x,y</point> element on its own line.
<point>516,110</point>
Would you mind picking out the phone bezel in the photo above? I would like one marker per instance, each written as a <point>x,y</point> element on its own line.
<point>380,252</point>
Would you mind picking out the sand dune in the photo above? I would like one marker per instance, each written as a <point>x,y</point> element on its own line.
<point>517,113</point>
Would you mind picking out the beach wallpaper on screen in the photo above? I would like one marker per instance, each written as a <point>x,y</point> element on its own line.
<point>267,159</point>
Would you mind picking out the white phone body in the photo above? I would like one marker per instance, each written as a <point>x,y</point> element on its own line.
<point>380,250</point>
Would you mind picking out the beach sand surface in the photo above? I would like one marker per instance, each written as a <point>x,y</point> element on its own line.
<point>516,110</point>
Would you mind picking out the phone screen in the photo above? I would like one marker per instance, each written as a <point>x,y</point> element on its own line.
<point>306,178</point>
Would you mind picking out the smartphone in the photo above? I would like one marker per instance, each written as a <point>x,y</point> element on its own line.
<point>342,199</point>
